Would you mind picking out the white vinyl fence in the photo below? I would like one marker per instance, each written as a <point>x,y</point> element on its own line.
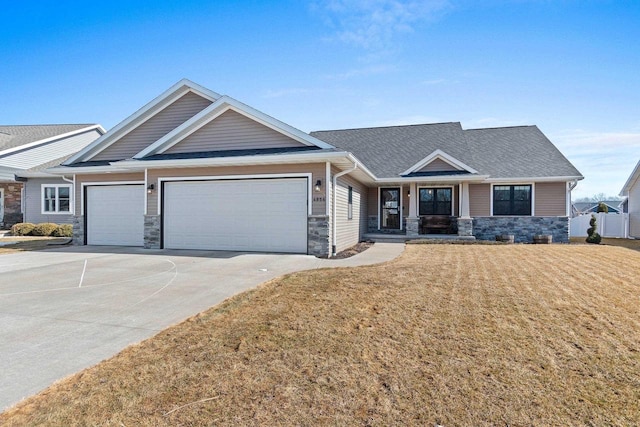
<point>609,225</point>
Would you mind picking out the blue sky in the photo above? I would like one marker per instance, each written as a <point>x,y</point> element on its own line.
<point>570,67</point>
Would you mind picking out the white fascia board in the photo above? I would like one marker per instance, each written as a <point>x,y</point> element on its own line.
<point>215,110</point>
<point>428,179</point>
<point>528,180</point>
<point>142,115</point>
<point>231,161</point>
<point>62,170</point>
<point>99,128</point>
<point>632,179</point>
<point>439,154</point>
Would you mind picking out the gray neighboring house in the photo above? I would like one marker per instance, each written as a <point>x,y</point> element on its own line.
<point>27,192</point>
<point>631,192</point>
<point>194,169</point>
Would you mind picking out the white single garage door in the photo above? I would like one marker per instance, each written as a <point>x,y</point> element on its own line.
<point>257,215</point>
<point>115,215</point>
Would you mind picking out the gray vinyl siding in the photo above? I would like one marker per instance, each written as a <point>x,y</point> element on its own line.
<point>232,131</point>
<point>350,231</point>
<point>634,210</point>
<point>551,199</point>
<point>47,152</point>
<point>437,165</point>
<point>33,202</point>
<point>480,200</point>
<point>155,128</point>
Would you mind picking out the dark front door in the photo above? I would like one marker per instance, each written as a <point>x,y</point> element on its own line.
<point>390,208</point>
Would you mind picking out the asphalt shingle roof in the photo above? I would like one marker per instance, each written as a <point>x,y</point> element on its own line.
<point>13,136</point>
<point>510,152</point>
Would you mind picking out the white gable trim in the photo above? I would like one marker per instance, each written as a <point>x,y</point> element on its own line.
<point>23,147</point>
<point>635,175</point>
<point>222,105</point>
<point>441,155</point>
<point>152,108</point>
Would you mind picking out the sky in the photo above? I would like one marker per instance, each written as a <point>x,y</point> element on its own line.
<point>570,67</point>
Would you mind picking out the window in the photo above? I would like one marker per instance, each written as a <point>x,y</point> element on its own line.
<point>56,198</point>
<point>512,200</point>
<point>350,204</point>
<point>435,201</point>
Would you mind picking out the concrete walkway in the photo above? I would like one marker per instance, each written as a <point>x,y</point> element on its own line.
<point>65,309</point>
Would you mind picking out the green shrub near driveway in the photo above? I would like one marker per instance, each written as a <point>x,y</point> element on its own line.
<point>63,230</point>
<point>22,229</point>
<point>44,229</point>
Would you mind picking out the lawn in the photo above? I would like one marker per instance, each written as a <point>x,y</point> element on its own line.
<point>446,334</point>
<point>625,243</point>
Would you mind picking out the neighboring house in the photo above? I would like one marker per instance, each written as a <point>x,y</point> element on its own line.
<point>631,191</point>
<point>194,169</point>
<point>27,193</point>
<point>584,208</point>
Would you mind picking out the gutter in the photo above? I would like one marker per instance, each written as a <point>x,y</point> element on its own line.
<point>334,213</point>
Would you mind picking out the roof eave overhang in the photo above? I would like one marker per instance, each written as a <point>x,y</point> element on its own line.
<point>433,179</point>
<point>536,179</point>
<point>76,170</point>
<point>632,179</point>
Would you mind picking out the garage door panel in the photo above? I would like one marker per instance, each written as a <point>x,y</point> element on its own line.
<point>243,215</point>
<point>115,215</point>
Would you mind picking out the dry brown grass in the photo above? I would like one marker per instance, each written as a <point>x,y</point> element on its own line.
<point>624,243</point>
<point>30,244</point>
<point>512,335</point>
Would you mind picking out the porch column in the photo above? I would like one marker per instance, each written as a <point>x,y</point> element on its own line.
<point>413,222</point>
<point>413,200</point>
<point>465,222</point>
<point>464,200</point>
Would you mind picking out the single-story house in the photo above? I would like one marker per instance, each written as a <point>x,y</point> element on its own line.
<point>194,169</point>
<point>631,192</point>
<point>587,208</point>
<point>27,192</point>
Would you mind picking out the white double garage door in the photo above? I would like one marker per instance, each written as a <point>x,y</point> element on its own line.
<point>257,215</point>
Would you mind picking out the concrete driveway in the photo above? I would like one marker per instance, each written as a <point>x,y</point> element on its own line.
<point>66,309</point>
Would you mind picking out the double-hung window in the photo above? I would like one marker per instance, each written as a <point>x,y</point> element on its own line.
<point>435,201</point>
<point>56,198</point>
<point>512,200</point>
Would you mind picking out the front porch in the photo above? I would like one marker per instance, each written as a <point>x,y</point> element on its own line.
<point>421,210</point>
<point>402,237</point>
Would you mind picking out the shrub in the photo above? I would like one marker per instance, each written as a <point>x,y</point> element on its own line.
<point>22,229</point>
<point>63,230</point>
<point>603,208</point>
<point>44,229</point>
<point>593,236</point>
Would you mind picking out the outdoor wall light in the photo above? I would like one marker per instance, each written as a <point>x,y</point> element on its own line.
<point>150,188</point>
<point>318,185</point>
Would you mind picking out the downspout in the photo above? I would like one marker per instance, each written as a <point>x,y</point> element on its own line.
<point>334,213</point>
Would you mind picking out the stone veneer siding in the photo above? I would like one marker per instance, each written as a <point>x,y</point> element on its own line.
<point>78,230</point>
<point>12,204</point>
<point>152,231</point>
<point>318,235</point>
<point>523,228</point>
<point>465,227</point>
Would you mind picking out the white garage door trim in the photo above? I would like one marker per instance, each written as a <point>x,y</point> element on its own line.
<point>285,231</point>
<point>126,229</point>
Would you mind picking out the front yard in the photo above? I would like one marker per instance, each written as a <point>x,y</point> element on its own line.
<point>446,334</point>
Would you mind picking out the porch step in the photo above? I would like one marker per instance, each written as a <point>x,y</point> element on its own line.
<point>380,237</point>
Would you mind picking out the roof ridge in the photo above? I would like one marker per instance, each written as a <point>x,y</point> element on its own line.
<point>52,124</point>
<point>387,127</point>
<point>502,127</point>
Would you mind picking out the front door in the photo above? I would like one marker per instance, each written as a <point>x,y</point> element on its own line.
<point>390,208</point>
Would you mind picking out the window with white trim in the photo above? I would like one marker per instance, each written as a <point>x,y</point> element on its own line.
<point>512,200</point>
<point>56,198</point>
